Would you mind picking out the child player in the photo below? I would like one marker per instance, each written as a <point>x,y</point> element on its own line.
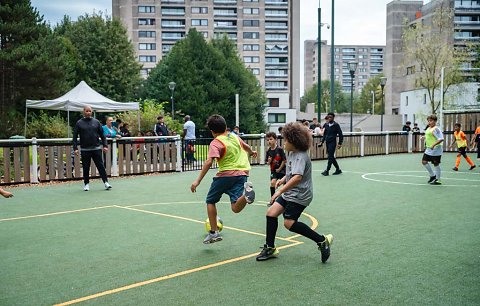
<point>276,159</point>
<point>461,140</point>
<point>230,151</point>
<point>295,195</point>
<point>433,150</point>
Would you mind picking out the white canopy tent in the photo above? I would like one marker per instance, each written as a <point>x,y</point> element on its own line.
<point>76,99</point>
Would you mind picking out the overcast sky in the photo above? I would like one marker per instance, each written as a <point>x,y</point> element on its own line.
<point>356,21</point>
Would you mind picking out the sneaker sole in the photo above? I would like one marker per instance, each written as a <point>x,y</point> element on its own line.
<point>213,240</point>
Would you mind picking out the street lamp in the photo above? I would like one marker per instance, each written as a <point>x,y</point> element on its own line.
<point>319,60</point>
<point>352,67</point>
<point>383,81</point>
<point>171,85</point>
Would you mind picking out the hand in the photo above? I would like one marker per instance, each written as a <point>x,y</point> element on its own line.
<point>105,149</point>
<point>339,146</point>
<point>321,144</point>
<point>278,170</point>
<point>76,152</point>
<point>194,186</point>
<point>278,183</point>
<point>274,197</point>
<point>269,160</point>
<point>253,154</point>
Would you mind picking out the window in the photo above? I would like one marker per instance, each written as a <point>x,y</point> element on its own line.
<point>276,48</point>
<point>251,35</point>
<point>251,47</point>
<point>277,118</point>
<point>173,35</point>
<point>147,46</point>
<point>406,101</point>
<point>273,102</point>
<point>251,11</point>
<point>173,11</point>
<point>146,9</point>
<point>147,58</point>
<point>147,34</point>
<point>199,10</point>
<point>251,23</point>
<point>276,84</point>
<point>173,23</point>
<point>277,13</point>
<point>146,21</point>
<point>410,70</point>
<point>250,0</point>
<point>251,59</point>
<point>166,48</point>
<point>274,36</point>
<point>255,71</point>
<point>199,22</point>
<point>276,73</point>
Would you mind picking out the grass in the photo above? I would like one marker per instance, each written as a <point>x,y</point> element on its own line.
<point>395,243</point>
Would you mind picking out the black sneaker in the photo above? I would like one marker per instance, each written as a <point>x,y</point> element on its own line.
<point>432,178</point>
<point>324,247</point>
<point>472,167</point>
<point>337,172</point>
<point>267,253</point>
<point>436,182</point>
<point>325,173</point>
<point>455,169</point>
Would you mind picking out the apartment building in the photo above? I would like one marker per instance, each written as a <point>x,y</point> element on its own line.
<point>369,61</point>
<point>267,35</point>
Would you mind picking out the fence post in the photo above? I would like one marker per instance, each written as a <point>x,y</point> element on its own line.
<point>114,157</point>
<point>178,143</point>
<point>34,172</point>
<point>387,142</point>
<point>410,142</point>
<point>362,144</point>
<point>262,149</point>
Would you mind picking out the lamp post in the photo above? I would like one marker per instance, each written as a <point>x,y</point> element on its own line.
<point>352,67</point>
<point>373,101</point>
<point>171,85</point>
<point>383,81</point>
<point>319,60</point>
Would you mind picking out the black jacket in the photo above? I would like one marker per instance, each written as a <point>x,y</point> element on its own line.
<point>330,133</point>
<point>91,134</point>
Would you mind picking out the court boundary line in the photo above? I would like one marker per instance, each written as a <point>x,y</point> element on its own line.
<point>56,213</point>
<point>395,173</point>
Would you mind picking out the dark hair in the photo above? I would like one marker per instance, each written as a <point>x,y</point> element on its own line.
<point>296,134</point>
<point>280,128</point>
<point>216,124</point>
<point>408,122</point>
<point>159,117</point>
<point>331,114</point>
<point>432,117</point>
<point>458,124</point>
<point>118,120</point>
<point>271,135</point>
<point>415,123</point>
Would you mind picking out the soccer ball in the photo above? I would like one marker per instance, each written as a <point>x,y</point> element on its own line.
<point>219,224</point>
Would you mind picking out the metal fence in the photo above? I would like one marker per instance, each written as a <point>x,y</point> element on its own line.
<point>42,160</point>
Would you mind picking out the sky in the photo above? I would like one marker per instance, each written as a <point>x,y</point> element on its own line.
<point>356,21</point>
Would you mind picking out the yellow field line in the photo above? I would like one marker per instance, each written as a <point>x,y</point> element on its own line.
<point>56,213</point>
<point>170,276</point>
<point>197,221</point>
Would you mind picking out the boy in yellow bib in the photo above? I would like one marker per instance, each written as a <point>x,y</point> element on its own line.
<point>461,140</point>
<point>231,153</point>
<point>433,150</point>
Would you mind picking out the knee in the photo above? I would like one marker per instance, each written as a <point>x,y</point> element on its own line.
<point>235,209</point>
<point>424,162</point>
<point>288,223</point>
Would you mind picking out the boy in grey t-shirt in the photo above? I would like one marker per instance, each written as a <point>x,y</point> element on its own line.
<point>295,194</point>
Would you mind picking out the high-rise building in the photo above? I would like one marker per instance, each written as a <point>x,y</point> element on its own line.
<point>369,61</point>
<point>267,35</point>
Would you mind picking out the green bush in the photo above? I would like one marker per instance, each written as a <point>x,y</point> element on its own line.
<point>47,126</point>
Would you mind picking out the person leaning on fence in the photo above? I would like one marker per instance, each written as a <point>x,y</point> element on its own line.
<point>5,193</point>
<point>92,142</point>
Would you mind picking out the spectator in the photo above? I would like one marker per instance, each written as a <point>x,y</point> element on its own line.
<point>160,128</point>
<point>415,129</point>
<point>318,131</point>
<point>90,131</point>
<point>189,138</point>
<point>406,128</point>
<point>314,124</point>
<point>124,131</point>
<point>5,193</point>
<point>236,130</point>
<point>117,125</point>
<point>109,131</point>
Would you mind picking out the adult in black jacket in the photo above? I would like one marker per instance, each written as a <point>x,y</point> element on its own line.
<point>331,131</point>
<point>92,142</point>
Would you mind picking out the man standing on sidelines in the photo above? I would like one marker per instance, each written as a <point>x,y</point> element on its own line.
<point>331,131</point>
<point>92,142</point>
<point>189,138</point>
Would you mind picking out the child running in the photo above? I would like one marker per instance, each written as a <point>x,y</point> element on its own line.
<point>230,151</point>
<point>295,194</point>
<point>461,140</point>
<point>276,159</point>
<point>433,150</point>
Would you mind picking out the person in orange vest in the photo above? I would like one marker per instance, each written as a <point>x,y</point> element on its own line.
<point>461,140</point>
<point>476,141</point>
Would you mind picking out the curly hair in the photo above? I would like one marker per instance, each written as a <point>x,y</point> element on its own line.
<point>217,123</point>
<point>296,134</point>
<point>271,135</point>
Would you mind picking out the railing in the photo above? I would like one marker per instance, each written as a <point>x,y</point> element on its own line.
<point>42,160</point>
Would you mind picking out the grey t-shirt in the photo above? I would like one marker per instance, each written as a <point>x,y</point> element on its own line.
<point>299,163</point>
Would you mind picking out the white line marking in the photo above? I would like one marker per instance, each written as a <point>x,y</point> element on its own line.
<point>393,173</point>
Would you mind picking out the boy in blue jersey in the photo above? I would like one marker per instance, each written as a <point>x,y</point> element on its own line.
<point>230,151</point>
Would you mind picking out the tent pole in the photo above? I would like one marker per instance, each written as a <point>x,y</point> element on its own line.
<point>138,117</point>
<point>68,122</point>
<point>26,112</point>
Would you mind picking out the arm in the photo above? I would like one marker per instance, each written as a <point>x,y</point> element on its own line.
<point>281,166</point>
<point>294,181</point>
<point>203,172</point>
<point>340,135</point>
<point>453,142</point>
<point>102,136</point>
<point>247,148</point>
<point>75,141</point>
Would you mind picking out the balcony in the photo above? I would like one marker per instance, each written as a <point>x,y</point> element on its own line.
<point>225,2</point>
<point>276,2</point>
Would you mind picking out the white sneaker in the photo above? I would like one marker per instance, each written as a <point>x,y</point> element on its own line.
<point>108,186</point>
<point>86,187</point>
<point>249,192</point>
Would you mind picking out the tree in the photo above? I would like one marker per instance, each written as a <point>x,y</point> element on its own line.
<point>364,102</point>
<point>107,58</point>
<point>33,62</point>
<point>310,96</point>
<point>428,48</point>
<point>207,77</point>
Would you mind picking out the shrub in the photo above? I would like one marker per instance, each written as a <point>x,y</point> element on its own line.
<point>47,126</point>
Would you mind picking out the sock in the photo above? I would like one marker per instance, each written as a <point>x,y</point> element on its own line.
<point>469,161</point>
<point>429,169</point>
<point>272,191</point>
<point>457,162</point>
<point>438,171</point>
<point>305,230</point>
<point>212,232</point>
<point>272,226</point>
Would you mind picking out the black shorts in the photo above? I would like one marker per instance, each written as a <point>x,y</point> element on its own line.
<point>463,151</point>
<point>432,159</point>
<point>274,175</point>
<point>292,210</point>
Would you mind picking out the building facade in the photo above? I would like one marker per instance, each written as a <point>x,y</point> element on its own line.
<point>267,35</point>
<point>369,61</point>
